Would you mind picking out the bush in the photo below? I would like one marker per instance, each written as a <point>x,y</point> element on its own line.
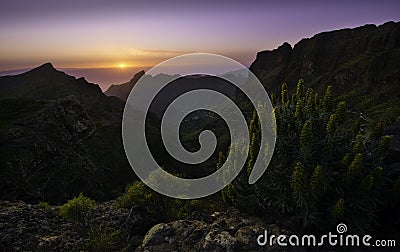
<point>44,206</point>
<point>104,238</point>
<point>141,195</point>
<point>325,169</point>
<point>76,208</point>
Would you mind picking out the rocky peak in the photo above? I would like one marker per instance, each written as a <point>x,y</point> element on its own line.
<point>45,68</point>
<point>122,90</point>
<point>137,76</point>
<point>331,58</point>
<point>268,60</point>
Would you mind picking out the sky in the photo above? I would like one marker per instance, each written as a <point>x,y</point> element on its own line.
<point>108,41</point>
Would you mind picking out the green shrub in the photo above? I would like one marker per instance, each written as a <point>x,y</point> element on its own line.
<point>324,169</point>
<point>140,194</point>
<point>44,206</point>
<point>165,208</point>
<point>104,238</point>
<point>76,208</point>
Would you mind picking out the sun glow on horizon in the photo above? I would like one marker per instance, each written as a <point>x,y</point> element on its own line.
<point>122,66</point>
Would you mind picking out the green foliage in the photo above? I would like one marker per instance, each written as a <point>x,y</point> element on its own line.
<point>341,112</point>
<point>317,177</point>
<point>164,208</point>
<point>140,194</point>
<point>221,159</point>
<point>284,94</point>
<point>324,169</point>
<point>358,147</point>
<point>306,137</point>
<point>310,105</point>
<point>328,100</point>
<point>317,101</point>
<point>338,210</point>
<point>299,109</point>
<point>44,206</point>
<point>300,90</point>
<point>368,182</point>
<point>273,99</point>
<point>104,238</point>
<point>253,152</point>
<point>299,179</point>
<point>356,166</point>
<point>377,131</point>
<point>76,208</point>
<point>331,126</point>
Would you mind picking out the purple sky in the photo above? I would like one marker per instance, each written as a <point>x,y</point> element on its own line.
<point>139,34</point>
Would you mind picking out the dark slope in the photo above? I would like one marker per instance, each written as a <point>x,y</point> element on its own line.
<point>59,136</point>
<point>362,65</point>
<point>122,91</point>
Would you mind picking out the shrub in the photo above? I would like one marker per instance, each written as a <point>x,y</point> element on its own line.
<point>76,208</point>
<point>165,208</point>
<point>44,206</point>
<point>324,169</point>
<point>138,193</point>
<point>104,238</point>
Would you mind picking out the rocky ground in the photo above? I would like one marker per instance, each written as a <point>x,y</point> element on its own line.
<point>226,231</point>
<point>26,227</point>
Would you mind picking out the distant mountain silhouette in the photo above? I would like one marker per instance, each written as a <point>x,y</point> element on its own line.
<point>175,88</point>
<point>59,136</point>
<point>362,65</point>
<point>122,90</point>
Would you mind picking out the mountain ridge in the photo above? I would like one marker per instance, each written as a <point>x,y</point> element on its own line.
<point>361,60</point>
<point>60,135</point>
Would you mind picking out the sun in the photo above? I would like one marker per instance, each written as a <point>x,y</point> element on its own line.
<point>122,66</point>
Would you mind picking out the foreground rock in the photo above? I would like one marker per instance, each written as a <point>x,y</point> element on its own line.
<point>228,231</point>
<point>26,227</point>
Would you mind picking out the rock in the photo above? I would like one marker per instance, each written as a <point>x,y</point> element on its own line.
<point>52,127</point>
<point>337,58</point>
<point>227,231</point>
<point>217,240</point>
<point>29,228</point>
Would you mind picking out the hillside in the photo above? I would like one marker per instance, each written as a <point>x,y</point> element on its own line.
<point>362,65</point>
<point>59,136</point>
<point>122,90</point>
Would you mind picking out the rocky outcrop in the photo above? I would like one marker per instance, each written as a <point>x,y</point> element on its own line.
<point>336,57</point>
<point>361,64</point>
<point>122,90</point>
<point>59,136</point>
<point>28,227</point>
<point>44,158</point>
<point>227,231</point>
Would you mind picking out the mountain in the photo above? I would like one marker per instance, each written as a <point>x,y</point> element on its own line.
<point>362,65</point>
<point>180,85</point>
<point>122,90</point>
<point>59,136</point>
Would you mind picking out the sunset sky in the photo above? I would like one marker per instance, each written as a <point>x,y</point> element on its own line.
<point>125,36</point>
